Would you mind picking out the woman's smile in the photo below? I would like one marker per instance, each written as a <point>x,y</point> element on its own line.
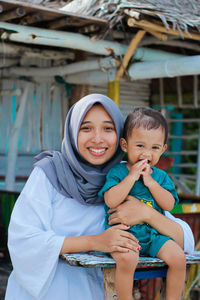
<point>97,151</point>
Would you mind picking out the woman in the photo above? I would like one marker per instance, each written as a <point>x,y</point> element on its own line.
<point>58,210</point>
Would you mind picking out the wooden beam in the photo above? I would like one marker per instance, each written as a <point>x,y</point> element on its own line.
<point>59,23</point>
<point>158,35</point>
<point>32,19</point>
<point>12,14</point>
<point>16,50</point>
<point>129,53</point>
<point>146,25</point>
<point>49,37</point>
<point>73,68</point>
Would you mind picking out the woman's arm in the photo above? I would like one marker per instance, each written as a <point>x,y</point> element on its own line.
<point>115,238</point>
<point>133,212</point>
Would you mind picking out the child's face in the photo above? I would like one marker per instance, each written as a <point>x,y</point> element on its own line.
<point>144,144</point>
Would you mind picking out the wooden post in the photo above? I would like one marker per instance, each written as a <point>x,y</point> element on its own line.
<point>114,86</point>
<point>161,86</point>
<point>179,91</point>
<point>13,142</point>
<point>109,286</point>
<point>195,90</point>
<point>129,53</point>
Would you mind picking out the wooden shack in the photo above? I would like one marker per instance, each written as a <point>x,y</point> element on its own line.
<point>140,53</point>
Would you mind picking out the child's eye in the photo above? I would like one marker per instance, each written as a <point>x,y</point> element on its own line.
<point>156,148</point>
<point>139,146</point>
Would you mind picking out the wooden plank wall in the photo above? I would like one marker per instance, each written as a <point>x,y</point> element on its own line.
<point>43,122</point>
<point>132,94</point>
<point>42,125</point>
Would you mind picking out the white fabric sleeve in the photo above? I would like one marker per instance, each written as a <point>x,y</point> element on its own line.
<point>188,235</point>
<point>34,247</point>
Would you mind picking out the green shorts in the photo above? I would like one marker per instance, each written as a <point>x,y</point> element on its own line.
<point>150,240</point>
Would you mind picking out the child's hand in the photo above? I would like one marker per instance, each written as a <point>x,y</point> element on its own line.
<point>137,169</point>
<point>146,175</point>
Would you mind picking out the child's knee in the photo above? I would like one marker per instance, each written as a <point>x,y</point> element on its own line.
<point>177,259</point>
<point>127,260</point>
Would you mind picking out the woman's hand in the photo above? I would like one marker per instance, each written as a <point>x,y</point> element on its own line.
<point>117,239</point>
<point>131,212</point>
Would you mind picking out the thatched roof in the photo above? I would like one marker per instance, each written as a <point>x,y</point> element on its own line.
<point>169,25</point>
<point>181,14</point>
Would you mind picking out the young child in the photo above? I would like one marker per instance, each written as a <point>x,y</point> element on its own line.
<point>145,138</point>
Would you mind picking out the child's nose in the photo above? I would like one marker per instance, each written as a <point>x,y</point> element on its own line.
<point>146,154</point>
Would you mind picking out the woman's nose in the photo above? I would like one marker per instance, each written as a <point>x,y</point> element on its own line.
<point>97,137</point>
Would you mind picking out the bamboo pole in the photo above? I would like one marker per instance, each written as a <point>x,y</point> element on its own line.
<point>158,35</point>
<point>114,87</point>
<point>12,14</point>
<point>25,51</point>
<point>146,25</point>
<point>32,35</point>
<point>114,91</point>
<point>129,53</point>
<point>103,63</point>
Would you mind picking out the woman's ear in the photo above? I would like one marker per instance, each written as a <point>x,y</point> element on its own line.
<point>123,144</point>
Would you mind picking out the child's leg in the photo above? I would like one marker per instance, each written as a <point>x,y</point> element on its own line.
<point>126,264</point>
<point>174,257</point>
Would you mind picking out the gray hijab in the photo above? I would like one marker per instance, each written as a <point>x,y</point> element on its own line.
<point>68,172</point>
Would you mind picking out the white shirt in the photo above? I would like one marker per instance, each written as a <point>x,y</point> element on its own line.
<point>40,221</point>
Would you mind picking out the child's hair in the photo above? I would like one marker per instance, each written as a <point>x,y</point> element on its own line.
<point>147,118</point>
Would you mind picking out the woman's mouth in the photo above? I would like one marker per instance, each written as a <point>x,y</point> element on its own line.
<point>97,151</point>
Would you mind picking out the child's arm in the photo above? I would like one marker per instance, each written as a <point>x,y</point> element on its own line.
<point>118,193</point>
<point>163,197</point>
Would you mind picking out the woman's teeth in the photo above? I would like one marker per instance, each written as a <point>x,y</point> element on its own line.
<point>97,150</point>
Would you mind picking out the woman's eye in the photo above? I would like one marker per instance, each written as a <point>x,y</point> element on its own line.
<point>109,128</point>
<point>85,128</point>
